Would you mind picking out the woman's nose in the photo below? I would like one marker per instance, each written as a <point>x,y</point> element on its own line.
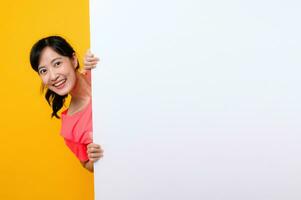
<point>52,75</point>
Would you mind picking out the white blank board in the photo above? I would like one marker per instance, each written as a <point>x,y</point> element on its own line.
<point>197,100</point>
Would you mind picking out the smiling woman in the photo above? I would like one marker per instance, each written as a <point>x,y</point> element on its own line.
<point>51,64</point>
<point>56,63</point>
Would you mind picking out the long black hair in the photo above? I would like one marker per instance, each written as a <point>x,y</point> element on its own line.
<point>62,47</point>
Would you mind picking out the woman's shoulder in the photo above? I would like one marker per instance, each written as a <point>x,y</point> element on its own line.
<point>72,112</point>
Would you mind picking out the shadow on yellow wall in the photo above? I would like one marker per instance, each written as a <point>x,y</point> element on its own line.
<point>35,163</point>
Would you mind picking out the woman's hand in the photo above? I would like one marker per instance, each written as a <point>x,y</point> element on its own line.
<point>90,62</point>
<point>94,152</point>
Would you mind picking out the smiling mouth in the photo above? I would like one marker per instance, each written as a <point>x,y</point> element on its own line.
<point>60,84</point>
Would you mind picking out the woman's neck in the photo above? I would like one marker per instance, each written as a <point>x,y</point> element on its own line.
<point>81,93</point>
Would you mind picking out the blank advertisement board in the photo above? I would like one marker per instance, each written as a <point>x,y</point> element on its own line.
<point>197,99</point>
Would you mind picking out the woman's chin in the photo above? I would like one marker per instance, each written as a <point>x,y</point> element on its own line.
<point>61,92</point>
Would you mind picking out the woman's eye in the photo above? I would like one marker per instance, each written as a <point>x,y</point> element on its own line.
<point>57,64</point>
<point>42,71</point>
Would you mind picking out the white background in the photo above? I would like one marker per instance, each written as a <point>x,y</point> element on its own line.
<point>197,100</point>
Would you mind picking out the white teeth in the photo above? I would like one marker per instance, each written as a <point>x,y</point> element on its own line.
<point>59,83</point>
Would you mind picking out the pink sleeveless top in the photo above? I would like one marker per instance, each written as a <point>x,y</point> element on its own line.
<point>77,131</point>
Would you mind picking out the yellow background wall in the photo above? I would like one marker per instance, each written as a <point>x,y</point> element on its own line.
<point>35,163</point>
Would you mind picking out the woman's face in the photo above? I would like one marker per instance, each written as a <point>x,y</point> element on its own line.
<point>57,72</point>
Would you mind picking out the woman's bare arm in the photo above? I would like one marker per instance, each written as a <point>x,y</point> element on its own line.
<point>88,165</point>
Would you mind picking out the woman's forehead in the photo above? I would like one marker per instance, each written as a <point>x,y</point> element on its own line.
<point>48,56</point>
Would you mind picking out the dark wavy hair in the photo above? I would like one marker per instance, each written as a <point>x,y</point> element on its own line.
<point>62,47</point>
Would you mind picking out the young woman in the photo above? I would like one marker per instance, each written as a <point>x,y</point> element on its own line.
<point>56,63</point>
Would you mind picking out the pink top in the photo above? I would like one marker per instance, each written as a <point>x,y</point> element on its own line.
<point>77,131</point>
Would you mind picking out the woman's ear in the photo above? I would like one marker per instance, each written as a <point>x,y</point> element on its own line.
<point>74,60</point>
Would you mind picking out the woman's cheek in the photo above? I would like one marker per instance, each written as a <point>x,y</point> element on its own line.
<point>44,80</point>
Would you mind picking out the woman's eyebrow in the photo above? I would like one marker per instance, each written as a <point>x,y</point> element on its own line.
<point>39,67</point>
<point>55,59</point>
